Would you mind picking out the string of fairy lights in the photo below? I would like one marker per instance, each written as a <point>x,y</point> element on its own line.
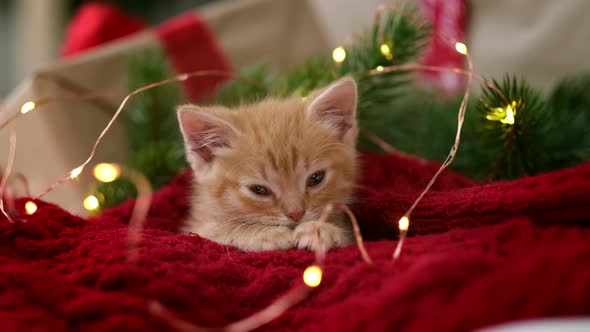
<point>313,274</point>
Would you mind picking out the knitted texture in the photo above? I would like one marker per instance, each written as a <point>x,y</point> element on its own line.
<point>477,255</point>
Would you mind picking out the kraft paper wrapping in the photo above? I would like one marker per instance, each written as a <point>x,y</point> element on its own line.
<point>55,138</point>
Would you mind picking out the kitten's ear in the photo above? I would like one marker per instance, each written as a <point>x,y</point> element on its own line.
<point>335,107</point>
<point>204,134</point>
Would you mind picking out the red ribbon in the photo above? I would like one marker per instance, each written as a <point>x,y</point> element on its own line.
<point>191,46</point>
<point>187,40</point>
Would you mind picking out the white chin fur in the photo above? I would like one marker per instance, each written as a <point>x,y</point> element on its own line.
<point>284,221</point>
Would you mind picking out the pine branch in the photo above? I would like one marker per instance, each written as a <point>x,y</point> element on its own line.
<point>152,129</point>
<point>402,38</point>
<point>505,131</point>
<point>113,193</point>
<point>237,91</point>
<point>567,141</point>
<point>148,114</point>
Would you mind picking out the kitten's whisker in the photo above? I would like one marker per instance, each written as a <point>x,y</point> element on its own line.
<point>324,151</point>
<point>333,146</point>
<point>227,251</point>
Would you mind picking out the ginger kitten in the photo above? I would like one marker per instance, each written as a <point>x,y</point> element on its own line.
<point>264,172</point>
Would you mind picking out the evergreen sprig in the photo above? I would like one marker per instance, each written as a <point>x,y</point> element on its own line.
<point>569,142</point>
<point>156,146</point>
<point>507,130</point>
<point>541,134</point>
<point>403,38</point>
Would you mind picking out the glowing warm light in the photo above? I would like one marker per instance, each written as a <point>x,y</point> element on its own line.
<point>509,119</point>
<point>339,54</point>
<point>27,107</point>
<point>404,223</point>
<point>379,68</point>
<point>91,203</point>
<point>504,115</point>
<point>106,172</point>
<point>386,51</point>
<point>76,171</point>
<point>30,207</point>
<point>461,48</point>
<point>312,276</point>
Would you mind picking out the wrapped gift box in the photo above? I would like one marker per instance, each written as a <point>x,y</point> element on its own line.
<point>58,136</point>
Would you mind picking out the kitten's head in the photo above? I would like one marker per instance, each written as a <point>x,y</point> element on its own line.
<point>277,162</point>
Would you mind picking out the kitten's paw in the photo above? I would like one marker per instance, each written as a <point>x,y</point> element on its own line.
<point>314,235</point>
<point>273,238</point>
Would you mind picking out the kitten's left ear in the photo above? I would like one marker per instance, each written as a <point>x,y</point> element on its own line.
<point>205,134</point>
<point>335,108</point>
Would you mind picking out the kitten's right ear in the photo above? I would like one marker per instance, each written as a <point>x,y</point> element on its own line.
<point>204,134</point>
<point>335,108</point>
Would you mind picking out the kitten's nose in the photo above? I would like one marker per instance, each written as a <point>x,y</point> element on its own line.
<point>296,216</point>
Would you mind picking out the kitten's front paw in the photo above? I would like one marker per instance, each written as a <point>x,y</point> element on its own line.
<point>314,235</point>
<point>274,238</point>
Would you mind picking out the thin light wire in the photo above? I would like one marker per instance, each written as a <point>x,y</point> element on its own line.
<point>278,307</point>
<point>6,173</point>
<point>328,210</point>
<point>266,315</point>
<point>448,160</point>
<point>252,322</point>
<point>159,310</point>
<point>299,293</point>
<point>460,116</point>
<point>86,96</point>
<point>416,67</point>
<point>436,34</point>
<point>139,214</point>
<point>177,78</point>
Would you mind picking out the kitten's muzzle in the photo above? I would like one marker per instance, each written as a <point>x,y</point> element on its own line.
<point>296,216</point>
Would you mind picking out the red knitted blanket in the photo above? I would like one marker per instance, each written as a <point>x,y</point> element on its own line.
<point>477,255</point>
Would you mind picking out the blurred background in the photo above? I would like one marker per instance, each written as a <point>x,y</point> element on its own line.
<point>539,40</point>
<point>42,24</point>
<point>542,39</point>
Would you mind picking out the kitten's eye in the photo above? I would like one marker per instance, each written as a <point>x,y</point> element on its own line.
<point>316,178</point>
<point>260,190</point>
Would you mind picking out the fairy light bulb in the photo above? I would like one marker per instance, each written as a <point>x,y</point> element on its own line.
<point>505,115</point>
<point>386,51</point>
<point>509,119</point>
<point>27,107</point>
<point>461,48</point>
<point>404,223</point>
<point>105,172</point>
<point>379,68</point>
<point>30,207</point>
<point>312,276</point>
<point>339,54</point>
<point>91,203</point>
<point>76,172</point>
